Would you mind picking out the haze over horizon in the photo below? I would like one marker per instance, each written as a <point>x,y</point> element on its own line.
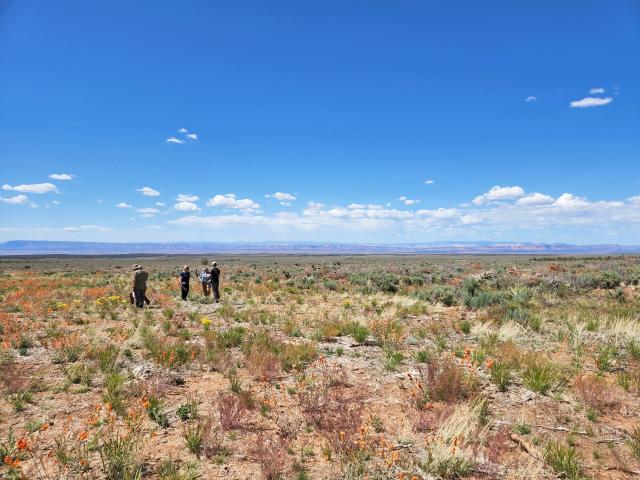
<point>351,121</point>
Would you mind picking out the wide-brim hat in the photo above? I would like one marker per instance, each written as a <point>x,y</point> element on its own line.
<point>136,267</point>
<point>214,263</point>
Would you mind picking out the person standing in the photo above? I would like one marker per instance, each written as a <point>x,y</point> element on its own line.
<point>205,280</point>
<point>185,276</point>
<point>140,278</point>
<point>215,281</point>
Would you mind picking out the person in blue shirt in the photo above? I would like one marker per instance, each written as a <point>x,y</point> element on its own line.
<point>185,276</point>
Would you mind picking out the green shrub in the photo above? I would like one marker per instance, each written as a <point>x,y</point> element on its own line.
<point>501,375</point>
<point>540,376</point>
<point>564,460</point>
<point>444,294</point>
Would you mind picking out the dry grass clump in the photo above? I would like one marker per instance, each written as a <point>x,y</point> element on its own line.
<point>271,455</point>
<point>449,449</point>
<point>594,392</point>
<point>442,380</point>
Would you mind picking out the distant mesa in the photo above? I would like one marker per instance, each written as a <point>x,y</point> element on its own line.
<point>39,247</point>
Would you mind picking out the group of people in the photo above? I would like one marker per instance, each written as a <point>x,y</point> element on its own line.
<point>209,279</point>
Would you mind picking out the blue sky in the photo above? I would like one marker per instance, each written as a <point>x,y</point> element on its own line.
<point>365,121</point>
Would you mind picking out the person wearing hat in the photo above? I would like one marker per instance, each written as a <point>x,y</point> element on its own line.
<point>215,281</point>
<point>185,276</point>
<point>140,278</point>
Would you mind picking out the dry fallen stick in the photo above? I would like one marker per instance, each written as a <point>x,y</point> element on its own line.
<point>526,446</point>
<point>366,343</point>
<point>622,469</point>
<point>562,429</point>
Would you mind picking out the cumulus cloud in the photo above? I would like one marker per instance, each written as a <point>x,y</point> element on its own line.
<point>596,91</point>
<point>192,136</point>
<point>408,201</point>
<point>123,205</point>
<point>525,213</point>
<point>33,188</point>
<point>569,201</point>
<point>230,200</point>
<point>185,206</point>
<point>148,191</point>
<point>284,198</point>
<point>429,182</point>
<point>187,197</point>
<point>16,200</point>
<point>174,140</point>
<point>61,176</point>
<point>531,98</point>
<point>535,199</point>
<point>591,102</point>
<point>160,204</point>
<point>498,193</point>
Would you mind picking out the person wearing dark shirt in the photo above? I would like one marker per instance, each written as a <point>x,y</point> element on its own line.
<point>185,276</point>
<point>215,281</point>
<point>140,278</point>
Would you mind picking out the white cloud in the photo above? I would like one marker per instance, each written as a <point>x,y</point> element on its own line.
<point>591,102</point>
<point>440,213</point>
<point>86,228</point>
<point>569,201</point>
<point>429,182</point>
<point>148,191</point>
<point>147,212</point>
<point>61,176</point>
<point>32,188</point>
<point>230,200</point>
<point>531,98</point>
<point>356,205</point>
<point>186,207</point>
<point>187,197</point>
<point>188,135</point>
<point>55,202</point>
<point>535,199</point>
<point>16,200</point>
<point>123,205</point>
<point>160,204</point>
<point>596,91</point>
<point>408,201</point>
<point>499,193</point>
<point>284,198</point>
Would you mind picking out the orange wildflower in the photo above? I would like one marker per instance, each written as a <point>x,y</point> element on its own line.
<point>22,444</point>
<point>82,436</point>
